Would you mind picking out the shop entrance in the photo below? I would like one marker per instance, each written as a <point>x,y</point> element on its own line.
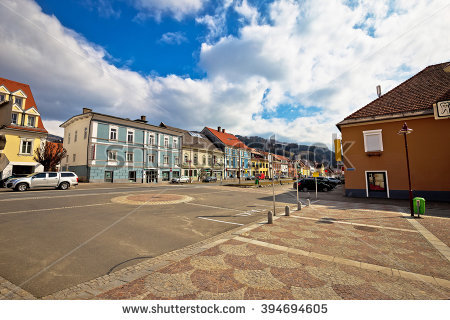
<point>152,176</point>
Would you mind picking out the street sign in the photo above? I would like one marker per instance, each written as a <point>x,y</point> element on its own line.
<point>315,174</point>
<point>442,110</point>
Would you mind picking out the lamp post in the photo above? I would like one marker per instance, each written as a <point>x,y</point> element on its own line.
<point>405,130</point>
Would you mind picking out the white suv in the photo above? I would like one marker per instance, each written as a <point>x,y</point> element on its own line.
<point>61,180</point>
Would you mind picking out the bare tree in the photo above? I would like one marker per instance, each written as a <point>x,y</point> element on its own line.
<point>50,155</point>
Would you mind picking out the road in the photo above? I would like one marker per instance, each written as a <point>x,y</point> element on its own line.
<point>52,239</point>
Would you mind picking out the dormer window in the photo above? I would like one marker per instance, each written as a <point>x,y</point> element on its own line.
<point>19,101</point>
<point>31,121</point>
<point>14,117</point>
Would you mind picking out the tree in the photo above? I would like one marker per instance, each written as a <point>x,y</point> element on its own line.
<point>50,155</point>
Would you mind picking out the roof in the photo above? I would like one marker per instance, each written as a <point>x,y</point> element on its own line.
<point>193,139</point>
<point>418,93</point>
<point>14,86</point>
<point>228,139</point>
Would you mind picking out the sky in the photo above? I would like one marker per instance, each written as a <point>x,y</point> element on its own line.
<point>283,67</point>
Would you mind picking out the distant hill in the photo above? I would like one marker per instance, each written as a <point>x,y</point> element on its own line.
<point>318,152</point>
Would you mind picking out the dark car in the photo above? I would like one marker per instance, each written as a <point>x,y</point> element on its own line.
<point>250,178</point>
<point>3,181</point>
<point>310,184</point>
<point>210,179</point>
<point>331,183</point>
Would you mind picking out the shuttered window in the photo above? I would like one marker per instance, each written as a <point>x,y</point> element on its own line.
<point>373,141</point>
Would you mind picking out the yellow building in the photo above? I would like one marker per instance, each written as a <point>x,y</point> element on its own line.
<point>22,127</point>
<point>260,164</point>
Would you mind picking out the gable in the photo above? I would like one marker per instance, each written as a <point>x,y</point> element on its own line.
<point>4,89</point>
<point>32,111</point>
<point>19,93</point>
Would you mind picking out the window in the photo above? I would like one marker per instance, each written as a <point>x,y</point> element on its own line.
<point>113,133</point>
<point>74,157</point>
<point>41,175</point>
<point>14,117</point>
<point>204,160</point>
<point>130,157</point>
<point>166,142</point>
<point>151,139</point>
<point>52,175</point>
<point>67,159</point>
<point>195,159</point>
<point>132,176</point>
<point>31,121</point>
<point>75,137</point>
<point>186,158</point>
<point>85,133</point>
<point>130,136</point>
<point>26,146</point>
<point>19,101</point>
<point>166,160</point>
<point>210,160</point>
<point>68,138</point>
<point>175,143</point>
<point>176,159</point>
<point>112,155</point>
<point>2,97</point>
<point>151,158</point>
<point>373,141</point>
<point>67,174</point>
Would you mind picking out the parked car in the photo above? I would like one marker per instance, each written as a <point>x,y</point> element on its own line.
<point>61,180</point>
<point>4,181</point>
<point>335,180</point>
<point>182,179</point>
<point>310,184</point>
<point>332,184</point>
<point>210,179</point>
<point>250,178</point>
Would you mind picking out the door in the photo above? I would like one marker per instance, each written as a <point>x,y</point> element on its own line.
<point>109,176</point>
<point>377,185</point>
<point>152,176</point>
<point>39,180</point>
<point>165,175</point>
<point>52,179</point>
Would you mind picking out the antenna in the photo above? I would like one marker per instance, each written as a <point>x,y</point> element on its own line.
<point>379,91</point>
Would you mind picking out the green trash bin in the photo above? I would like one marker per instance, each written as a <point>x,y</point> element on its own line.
<point>419,205</point>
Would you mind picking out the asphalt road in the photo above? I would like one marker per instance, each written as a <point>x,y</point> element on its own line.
<point>52,239</point>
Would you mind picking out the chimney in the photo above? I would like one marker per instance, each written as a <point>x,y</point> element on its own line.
<point>143,118</point>
<point>219,128</point>
<point>223,130</point>
<point>379,91</point>
<point>86,110</point>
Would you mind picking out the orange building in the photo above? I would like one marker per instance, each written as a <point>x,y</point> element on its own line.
<point>374,152</point>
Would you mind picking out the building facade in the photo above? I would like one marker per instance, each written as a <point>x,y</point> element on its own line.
<point>104,148</point>
<point>237,155</point>
<point>22,128</point>
<point>200,157</point>
<point>374,152</point>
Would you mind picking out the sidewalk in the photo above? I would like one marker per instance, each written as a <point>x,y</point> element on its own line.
<point>330,250</point>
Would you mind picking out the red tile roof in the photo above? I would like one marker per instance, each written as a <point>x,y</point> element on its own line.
<point>228,139</point>
<point>13,86</point>
<point>420,92</point>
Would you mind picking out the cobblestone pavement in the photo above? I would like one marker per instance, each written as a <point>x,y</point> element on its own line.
<point>330,250</point>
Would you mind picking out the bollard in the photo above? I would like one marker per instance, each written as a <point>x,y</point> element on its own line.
<point>287,211</point>
<point>299,206</point>
<point>308,202</point>
<point>269,218</point>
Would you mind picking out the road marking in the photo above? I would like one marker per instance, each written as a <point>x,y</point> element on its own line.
<point>358,264</point>
<point>50,209</point>
<point>357,224</point>
<point>208,206</point>
<point>239,224</point>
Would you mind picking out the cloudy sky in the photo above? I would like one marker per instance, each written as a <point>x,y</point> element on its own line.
<point>293,68</point>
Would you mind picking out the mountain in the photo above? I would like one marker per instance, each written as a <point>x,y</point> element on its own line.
<point>317,152</point>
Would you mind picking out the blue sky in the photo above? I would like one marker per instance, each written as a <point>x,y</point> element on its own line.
<point>284,67</point>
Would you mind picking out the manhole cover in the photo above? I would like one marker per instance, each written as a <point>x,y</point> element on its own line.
<point>151,199</point>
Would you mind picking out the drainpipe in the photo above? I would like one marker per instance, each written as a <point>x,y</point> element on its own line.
<point>88,168</point>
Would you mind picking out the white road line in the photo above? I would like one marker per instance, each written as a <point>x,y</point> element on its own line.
<point>51,209</point>
<point>239,224</point>
<point>205,205</point>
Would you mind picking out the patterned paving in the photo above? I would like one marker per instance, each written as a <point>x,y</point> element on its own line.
<point>151,199</point>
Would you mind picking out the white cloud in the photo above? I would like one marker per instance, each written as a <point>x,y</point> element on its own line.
<point>178,9</point>
<point>173,38</point>
<point>322,55</point>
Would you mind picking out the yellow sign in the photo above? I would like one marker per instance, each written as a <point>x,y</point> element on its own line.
<point>337,149</point>
<point>315,174</point>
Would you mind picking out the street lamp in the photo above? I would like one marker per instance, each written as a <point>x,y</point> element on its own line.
<point>405,130</point>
